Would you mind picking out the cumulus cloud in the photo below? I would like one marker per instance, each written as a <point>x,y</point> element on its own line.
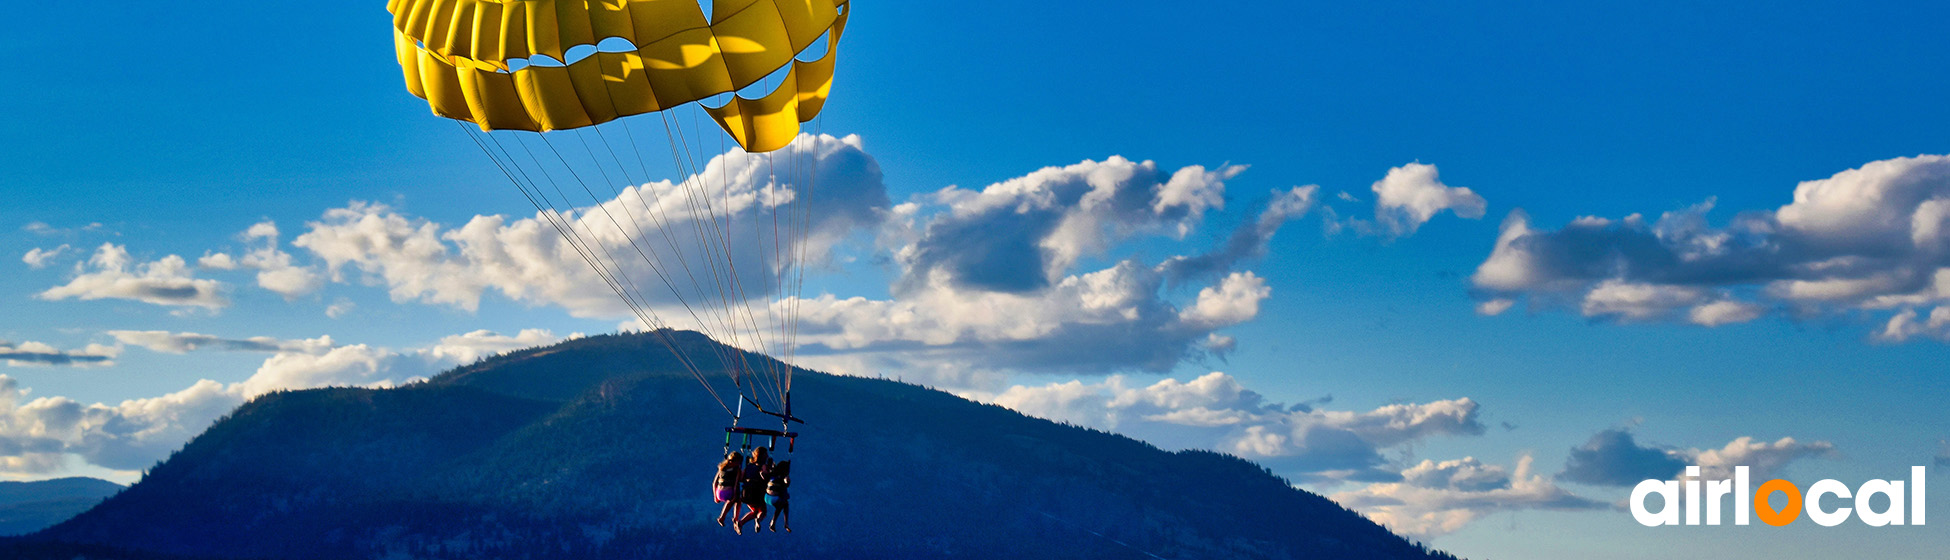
<point>1437,498</point>
<point>1909,324</point>
<point>1871,238</point>
<point>1725,312</point>
<point>1094,322</point>
<point>38,258</point>
<point>1247,242</point>
<point>1762,458</point>
<point>29,354</point>
<point>1613,458</point>
<point>275,271</point>
<point>1411,194</point>
<point>992,280</point>
<point>1024,234</point>
<point>36,434</point>
<point>1233,301</point>
<point>1216,412</point>
<point>112,274</point>
<point>685,228</point>
<point>470,347</point>
<point>986,281</point>
<point>356,365</point>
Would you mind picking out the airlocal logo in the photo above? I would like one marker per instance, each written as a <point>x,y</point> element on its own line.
<point>1758,504</point>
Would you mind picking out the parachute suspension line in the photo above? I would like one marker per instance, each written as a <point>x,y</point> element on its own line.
<point>726,274</point>
<point>739,293</point>
<point>582,220</point>
<point>651,258</point>
<point>723,226</point>
<point>619,227</point>
<point>608,269</point>
<point>597,201</point>
<point>799,280</point>
<point>772,188</point>
<point>662,222</point>
<point>694,188</point>
<point>554,219</point>
<point>782,266</point>
<point>691,195</point>
<point>639,305</point>
<point>692,192</point>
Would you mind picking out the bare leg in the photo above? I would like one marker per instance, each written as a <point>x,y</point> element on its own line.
<point>756,512</point>
<point>729,506</point>
<point>786,516</point>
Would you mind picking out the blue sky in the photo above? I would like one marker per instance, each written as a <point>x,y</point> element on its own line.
<point>179,129</point>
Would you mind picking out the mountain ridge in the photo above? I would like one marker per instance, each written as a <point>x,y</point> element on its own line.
<point>601,447</point>
<point>26,507</point>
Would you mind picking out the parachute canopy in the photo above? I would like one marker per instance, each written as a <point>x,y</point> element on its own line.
<point>479,61</point>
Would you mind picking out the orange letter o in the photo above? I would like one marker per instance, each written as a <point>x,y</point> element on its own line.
<point>1777,517</point>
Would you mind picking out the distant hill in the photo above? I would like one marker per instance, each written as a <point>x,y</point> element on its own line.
<point>26,507</point>
<point>603,447</point>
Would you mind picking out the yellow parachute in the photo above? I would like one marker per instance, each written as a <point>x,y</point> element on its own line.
<point>468,59</point>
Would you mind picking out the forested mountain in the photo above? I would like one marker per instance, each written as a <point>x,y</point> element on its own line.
<point>26,507</point>
<point>603,447</point>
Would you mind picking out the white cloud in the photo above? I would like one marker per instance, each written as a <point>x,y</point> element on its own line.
<point>989,281</point>
<point>471,347</point>
<point>526,260</point>
<point>42,229</point>
<point>1871,238</point>
<point>1725,312</point>
<point>355,365</point>
<point>1613,458</point>
<point>1435,499</point>
<point>218,261</point>
<point>38,258</point>
<point>1908,324</point>
<point>1763,459</point>
<point>1247,242</point>
<point>1411,194</point>
<point>36,434</point>
<point>340,308</point>
<point>275,269</point>
<point>1027,233</point>
<point>32,354</point>
<point>1313,445</point>
<point>1234,301</point>
<point>1639,302</point>
<point>1100,321</point>
<point>112,274</point>
<point>1494,307</point>
<point>1510,265</point>
<point>1215,412</point>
